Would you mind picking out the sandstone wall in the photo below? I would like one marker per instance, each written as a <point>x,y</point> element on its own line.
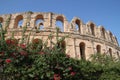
<point>84,39</point>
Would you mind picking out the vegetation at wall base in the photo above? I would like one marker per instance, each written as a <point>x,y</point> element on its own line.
<point>24,60</point>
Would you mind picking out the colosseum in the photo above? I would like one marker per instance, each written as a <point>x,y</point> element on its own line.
<point>82,41</point>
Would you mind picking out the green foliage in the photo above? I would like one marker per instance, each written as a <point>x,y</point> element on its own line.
<point>35,61</point>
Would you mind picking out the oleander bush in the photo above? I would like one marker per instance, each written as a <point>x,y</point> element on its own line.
<point>33,60</point>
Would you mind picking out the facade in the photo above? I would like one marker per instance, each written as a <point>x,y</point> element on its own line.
<point>82,41</point>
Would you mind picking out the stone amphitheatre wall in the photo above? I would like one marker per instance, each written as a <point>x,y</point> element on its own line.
<point>83,40</point>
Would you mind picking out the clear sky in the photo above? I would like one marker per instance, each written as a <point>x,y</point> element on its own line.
<point>101,12</point>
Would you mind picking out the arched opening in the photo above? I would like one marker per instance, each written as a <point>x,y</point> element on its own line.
<point>18,21</point>
<point>82,50</point>
<point>111,36</point>
<point>60,23</point>
<point>39,22</point>
<point>98,48</point>
<point>92,28</point>
<point>62,46</point>
<point>1,21</point>
<point>103,33</point>
<point>77,25</point>
<point>110,52</point>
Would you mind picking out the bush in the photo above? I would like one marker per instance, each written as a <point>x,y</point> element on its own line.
<point>23,60</point>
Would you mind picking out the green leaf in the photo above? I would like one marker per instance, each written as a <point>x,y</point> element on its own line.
<point>31,75</point>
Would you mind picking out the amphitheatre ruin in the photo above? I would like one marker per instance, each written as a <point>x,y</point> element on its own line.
<point>83,39</point>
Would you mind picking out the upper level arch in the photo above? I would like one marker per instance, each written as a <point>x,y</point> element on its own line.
<point>59,20</point>
<point>76,24</point>
<point>18,21</point>
<point>115,40</point>
<point>60,23</point>
<point>39,16</point>
<point>92,28</point>
<point>110,36</point>
<point>1,19</point>
<point>102,32</point>
<point>39,21</point>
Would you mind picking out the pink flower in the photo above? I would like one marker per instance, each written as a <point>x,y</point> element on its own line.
<point>8,41</point>
<point>36,41</point>
<point>1,60</point>
<point>70,68</point>
<point>56,77</point>
<point>68,56</point>
<point>1,53</point>
<point>72,73</point>
<point>23,46</point>
<point>11,41</point>
<point>23,53</point>
<point>13,55</point>
<point>8,61</point>
<point>41,52</point>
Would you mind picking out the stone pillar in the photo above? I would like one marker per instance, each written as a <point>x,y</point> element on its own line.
<point>12,22</point>
<point>70,47</point>
<point>66,27</point>
<point>47,18</point>
<point>32,23</point>
<point>24,22</point>
<point>53,24</point>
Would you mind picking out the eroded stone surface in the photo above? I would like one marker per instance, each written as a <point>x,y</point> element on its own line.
<point>82,41</point>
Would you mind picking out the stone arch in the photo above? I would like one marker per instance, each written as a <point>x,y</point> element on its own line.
<point>115,40</point>
<point>62,45</point>
<point>92,27</point>
<point>78,28</point>
<point>103,32</point>
<point>110,52</point>
<point>98,48</point>
<point>110,35</point>
<point>1,19</point>
<point>18,21</point>
<point>60,22</point>
<point>77,24</point>
<point>39,22</point>
<point>82,50</point>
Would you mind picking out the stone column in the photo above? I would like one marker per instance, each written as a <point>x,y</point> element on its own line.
<point>32,23</point>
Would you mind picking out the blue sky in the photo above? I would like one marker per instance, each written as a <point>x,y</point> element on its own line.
<point>101,12</point>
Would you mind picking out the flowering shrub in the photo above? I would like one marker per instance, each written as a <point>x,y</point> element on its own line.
<point>35,61</point>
